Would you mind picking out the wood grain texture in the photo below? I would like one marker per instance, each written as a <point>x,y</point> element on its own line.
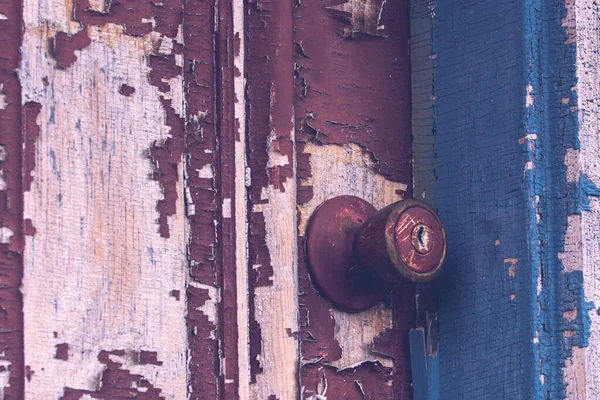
<point>99,275</point>
<point>583,370</point>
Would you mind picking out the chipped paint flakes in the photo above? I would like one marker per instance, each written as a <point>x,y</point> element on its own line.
<point>5,234</point>
<point>210,306</point>
<point>572,254</point>
<point>529,137</point>
<point>529,98</point>
<point>350,162</point>
<point>360,348</point>
<point>512,267</point>
<point>4,374</point>
<point>227,208</point>
<point>206,172</point>
<point>365,16</point>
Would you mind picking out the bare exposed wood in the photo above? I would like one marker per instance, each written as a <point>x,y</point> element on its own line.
<point>241,199</point>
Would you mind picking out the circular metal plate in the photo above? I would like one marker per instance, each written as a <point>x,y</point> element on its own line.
<point>330,255</point>
<point>416,241</point>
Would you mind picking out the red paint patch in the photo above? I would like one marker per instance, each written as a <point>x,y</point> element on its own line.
<point>28,228</point>
<point>65,45</point>
<point>165,158</point>
<point>31,132</point>
<point>10,34</point>
<point>11,199</point>
<point>29,373</point>
<point>62,351</point>
<point>149,357</point>
<point>126,90</point>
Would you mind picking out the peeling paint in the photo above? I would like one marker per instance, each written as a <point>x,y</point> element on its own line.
<point>117,381</point>
<point>12,376</point>
<point>5,235</point>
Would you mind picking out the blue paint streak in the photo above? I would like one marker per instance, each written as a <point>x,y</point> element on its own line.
<point>425,368</point>
<point>493,346</point>
<point>587,188</point>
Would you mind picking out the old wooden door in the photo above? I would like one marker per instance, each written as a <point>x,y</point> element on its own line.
<point>159,163</point>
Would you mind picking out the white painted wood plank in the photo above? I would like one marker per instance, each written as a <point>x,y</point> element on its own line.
<point>98,276</point>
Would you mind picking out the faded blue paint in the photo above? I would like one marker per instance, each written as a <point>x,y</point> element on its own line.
<point>503,197</point>
<point>425,368</point>
<point>587,188</point>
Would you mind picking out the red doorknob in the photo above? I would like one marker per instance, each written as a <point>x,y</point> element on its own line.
<point>356,253</point>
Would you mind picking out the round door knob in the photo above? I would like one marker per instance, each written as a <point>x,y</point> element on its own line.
<point>355,253</point>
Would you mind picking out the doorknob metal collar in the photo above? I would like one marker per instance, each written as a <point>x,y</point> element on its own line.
<point>356,253</point>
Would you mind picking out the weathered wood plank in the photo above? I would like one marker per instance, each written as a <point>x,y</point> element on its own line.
<point>12,228</point>
<point>272,264</point>
<point>106,266</point>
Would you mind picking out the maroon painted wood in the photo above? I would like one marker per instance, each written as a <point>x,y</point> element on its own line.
<point>353,86</point>
<point>17,128</point>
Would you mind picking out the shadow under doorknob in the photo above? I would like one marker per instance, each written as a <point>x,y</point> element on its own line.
<point>355,253</point>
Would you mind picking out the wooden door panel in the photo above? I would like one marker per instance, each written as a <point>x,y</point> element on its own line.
<point>168,159</point>
<point>353,137</point>
<point>272,252</point>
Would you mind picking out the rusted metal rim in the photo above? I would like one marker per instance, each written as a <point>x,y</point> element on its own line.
<point>415,240</point>
<point>335,271</point>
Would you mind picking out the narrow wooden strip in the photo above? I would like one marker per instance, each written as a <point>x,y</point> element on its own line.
<point>241,200</point>
<point>272,263</point>
<point>582,370</point>
<point>204,338</point>
<point>225,179</point>
<point>14,124</point>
